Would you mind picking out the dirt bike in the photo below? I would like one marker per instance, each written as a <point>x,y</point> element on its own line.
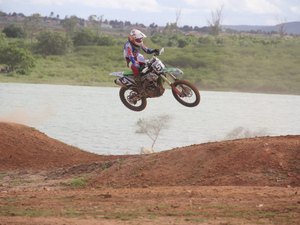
<point>153,76</point>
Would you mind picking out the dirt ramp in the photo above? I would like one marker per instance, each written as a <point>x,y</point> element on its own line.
<point>264,161</point>
<point>23,147</point>
<point>270,161</point>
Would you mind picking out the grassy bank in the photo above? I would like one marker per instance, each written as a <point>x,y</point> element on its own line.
<point>229,63</point>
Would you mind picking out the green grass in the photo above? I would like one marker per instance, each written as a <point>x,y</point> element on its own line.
<point>196,220</point>
<point>29,212</point>
<point>2,175</point>
<point>15,206</point>
<point>228,63</point>
<point>124,216</point>
<point>79,182</point>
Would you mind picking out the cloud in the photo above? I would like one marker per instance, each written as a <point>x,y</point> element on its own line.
<point>249,6</point>
<point>193,12</point>
<point>295,9</point>
<point>261,7</point>
<point>205,5</point>
<point>132,5</point>
<point>49,2</point>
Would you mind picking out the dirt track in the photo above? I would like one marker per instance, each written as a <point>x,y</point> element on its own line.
<point>248,181</point>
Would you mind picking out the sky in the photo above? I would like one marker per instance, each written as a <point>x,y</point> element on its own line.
<point>161,12</point>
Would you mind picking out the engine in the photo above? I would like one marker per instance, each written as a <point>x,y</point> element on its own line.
<point>152,85</point>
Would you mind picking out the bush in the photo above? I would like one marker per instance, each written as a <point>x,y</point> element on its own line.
<point>105,41</point>
<point>160,39</point>
<point>241,132</point>
<point>2,40</point>
<point>79,182</point>
<point>13,31</point>
<point>17,59</point>
<point>84,37</point>
<point>53,43</point>
<point>205,40</point>
<point>182,43</point>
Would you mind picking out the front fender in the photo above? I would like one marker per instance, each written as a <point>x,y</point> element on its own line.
<point>178,73</point>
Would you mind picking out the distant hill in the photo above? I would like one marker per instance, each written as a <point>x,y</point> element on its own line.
<point>290,28</point>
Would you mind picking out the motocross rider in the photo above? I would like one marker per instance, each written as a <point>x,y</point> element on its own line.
<point>132,53</point>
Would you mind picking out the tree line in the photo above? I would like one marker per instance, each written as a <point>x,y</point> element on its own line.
<point>19,43</point>
<point>37,35</point>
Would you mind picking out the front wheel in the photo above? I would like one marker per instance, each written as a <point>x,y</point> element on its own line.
<point>185,93</point>
<point>131,99</point>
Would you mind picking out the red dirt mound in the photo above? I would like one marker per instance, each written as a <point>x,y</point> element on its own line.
<point>22,147</point>
<point>270,161</point>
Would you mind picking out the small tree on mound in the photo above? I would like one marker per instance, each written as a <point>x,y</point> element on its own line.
<point>241,132</point>
<point>152,127</point>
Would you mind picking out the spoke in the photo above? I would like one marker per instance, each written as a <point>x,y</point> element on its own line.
<point>186,94</point>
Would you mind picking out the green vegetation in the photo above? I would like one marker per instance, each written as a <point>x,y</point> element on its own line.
<point>13,31</point>
<point>17,59</point>
<point>2,175</point>
<point>9,210</point>
<point>251,63</point>
<point>52,43</point>
<point>79,182</point>
<point>91,204</point>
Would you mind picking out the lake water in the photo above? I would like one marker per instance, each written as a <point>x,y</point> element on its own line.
<point>94,119</point>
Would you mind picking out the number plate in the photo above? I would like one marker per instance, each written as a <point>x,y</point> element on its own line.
<point>158,66</point>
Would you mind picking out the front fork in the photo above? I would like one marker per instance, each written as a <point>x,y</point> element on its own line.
<point>171,83</point>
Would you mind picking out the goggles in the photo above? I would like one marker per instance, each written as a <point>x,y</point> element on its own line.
<point>139,40</point>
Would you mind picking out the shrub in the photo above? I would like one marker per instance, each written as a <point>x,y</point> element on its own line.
<point>241,132</point>
<point>182,43</point>
<point>79,182</point>
<point>84,37</point>
<point>105,41</point>
<point>204,40</point>
<point>13,31</point>
<point>17,59</point>
<point>160,39</point>
<point>53,43</point>
<point>2,40</point>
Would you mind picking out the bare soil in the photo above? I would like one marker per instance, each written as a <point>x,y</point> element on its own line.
<point>246,181</point>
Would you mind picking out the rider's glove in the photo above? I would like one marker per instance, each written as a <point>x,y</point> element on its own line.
<point>156,51</point>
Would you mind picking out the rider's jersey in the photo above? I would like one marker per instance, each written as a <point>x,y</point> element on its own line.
<point>131,51</point>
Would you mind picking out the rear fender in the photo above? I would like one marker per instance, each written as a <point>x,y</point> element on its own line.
<point>125,81</point>
<point>122,73</point>
<point>125,78</point>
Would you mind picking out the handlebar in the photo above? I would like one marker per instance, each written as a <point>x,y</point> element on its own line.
<point>152,60</point>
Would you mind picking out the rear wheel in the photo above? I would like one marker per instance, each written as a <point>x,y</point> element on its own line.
<point>185,93</point>
<point>132,100</point>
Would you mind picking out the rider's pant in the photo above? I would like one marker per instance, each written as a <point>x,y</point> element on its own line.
<point>135,70</point>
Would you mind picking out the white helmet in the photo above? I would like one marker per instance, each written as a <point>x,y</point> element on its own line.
<point>136,37</point>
